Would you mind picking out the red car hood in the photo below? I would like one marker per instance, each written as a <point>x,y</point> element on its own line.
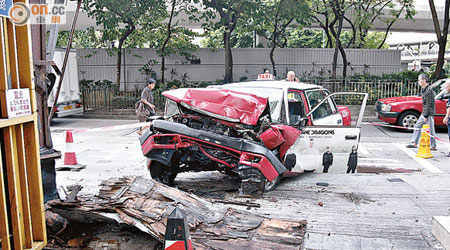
<point>221,103</point>
<point>390,100</point>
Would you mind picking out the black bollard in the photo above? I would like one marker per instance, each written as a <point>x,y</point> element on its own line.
<point>177,232</point>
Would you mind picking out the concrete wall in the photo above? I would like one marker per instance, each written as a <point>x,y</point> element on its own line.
<point>96,64</point>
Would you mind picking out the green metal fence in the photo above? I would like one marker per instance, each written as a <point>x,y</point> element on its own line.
<point>108,99</point>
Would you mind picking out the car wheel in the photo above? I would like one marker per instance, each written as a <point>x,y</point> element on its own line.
<point>408,119</point>
<point>271,185</point>
<point>161,173</point>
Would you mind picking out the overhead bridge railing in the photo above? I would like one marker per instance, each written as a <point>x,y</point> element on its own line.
<point>22,215</point>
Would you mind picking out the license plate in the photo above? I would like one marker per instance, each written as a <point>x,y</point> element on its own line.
<point>67,107</point>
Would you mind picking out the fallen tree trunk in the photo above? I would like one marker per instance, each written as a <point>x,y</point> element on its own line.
<point>146,204</point>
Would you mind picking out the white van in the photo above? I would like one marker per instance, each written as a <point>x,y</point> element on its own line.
<point>69,102</point>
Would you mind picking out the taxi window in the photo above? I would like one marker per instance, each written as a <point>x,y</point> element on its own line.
<point>295,107</point>
<point>325,109</point>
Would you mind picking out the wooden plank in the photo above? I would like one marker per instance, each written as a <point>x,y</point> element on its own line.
<point>4,229</point>
<point>38,245</point>
<point>12,47</point>
<point>146,205</point>
<point>25,59</point>
<point>3,79</point>
<point>15,197</point>
<point>17,120</point>
<point>35,181</point>
<point>24,55</point>
<point>6,51</point>
<point>24,186</point>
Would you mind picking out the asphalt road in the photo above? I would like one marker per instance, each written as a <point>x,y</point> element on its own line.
<point>390,207</point>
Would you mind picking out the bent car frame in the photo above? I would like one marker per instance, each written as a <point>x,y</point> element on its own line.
<point>259,131</point>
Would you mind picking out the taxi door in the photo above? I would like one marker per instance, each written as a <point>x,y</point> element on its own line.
<point>328,148</point>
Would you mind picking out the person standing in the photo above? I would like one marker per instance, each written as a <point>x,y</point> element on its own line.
<point>447,115</point>
<point>327,160</point>
<point>427,116</point>
<point>290,77</point>
<point>352,160</point>
<point>145,107</point>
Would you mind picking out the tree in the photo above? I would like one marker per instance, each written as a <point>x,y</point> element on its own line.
<point>275,17</point>
<point>360,15</point>
<point>366,12</point>
<point>114,14</point>
<point>230,12</point>
<point>169,32</point>
<point>441,35</point>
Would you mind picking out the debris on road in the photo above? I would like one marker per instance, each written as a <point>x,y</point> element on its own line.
<point>146,204</point>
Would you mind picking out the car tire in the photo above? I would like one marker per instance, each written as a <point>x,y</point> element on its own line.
<point>408,119</point>
<point>272,185</point>
<point>161,173</point>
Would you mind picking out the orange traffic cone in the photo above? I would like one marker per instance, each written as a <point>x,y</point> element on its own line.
<point>70,158</point>
<point>424,147</point>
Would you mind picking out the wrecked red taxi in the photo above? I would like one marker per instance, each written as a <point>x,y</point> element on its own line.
<point>259,131</point>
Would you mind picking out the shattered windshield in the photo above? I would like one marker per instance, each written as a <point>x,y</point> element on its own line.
<point>275,98</point>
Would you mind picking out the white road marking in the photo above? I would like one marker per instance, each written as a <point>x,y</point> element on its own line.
<point>362,150</point>
<point>430,167</point>
<point>374,149</point>
<point>377,159</point>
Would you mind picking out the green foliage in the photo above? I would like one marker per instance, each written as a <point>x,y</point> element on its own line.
<point>240,38</point>
<point>305,38</point>
<point>113,15</point>
<point>82,39</point>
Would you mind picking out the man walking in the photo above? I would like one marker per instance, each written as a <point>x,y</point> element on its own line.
<point>428,112</point>
<point>327,160</point>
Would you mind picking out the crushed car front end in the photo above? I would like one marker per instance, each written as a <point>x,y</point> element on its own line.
<point>213,130</point>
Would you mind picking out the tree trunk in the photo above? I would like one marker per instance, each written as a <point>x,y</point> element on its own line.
<point>335,58</point>
<point>122,39</point>
<point>228,58</point>
<point>441,37</point>
<point>163,65</point>
<point>341,48</point>
<point>166,41</point>
<point>272,60</point>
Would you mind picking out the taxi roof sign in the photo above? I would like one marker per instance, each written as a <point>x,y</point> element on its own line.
<point>266,76</point>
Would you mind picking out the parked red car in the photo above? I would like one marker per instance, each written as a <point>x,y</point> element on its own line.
<point>405,110</point>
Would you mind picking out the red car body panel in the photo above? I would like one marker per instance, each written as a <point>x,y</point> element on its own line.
<point>241,107</point>
<point>245,158</point>
<point>290,134</point>
<point>346,115</point>
<point>410,103</point>
<point>263,164</point>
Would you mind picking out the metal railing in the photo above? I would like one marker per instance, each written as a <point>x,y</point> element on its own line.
<point>376,88</point>
<point>109,99</point>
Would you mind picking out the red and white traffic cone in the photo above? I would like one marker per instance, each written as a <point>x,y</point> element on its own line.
<point>70,158</point>
<point>177,232</point>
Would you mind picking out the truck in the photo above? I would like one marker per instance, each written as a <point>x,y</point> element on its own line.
<point>69,102</point>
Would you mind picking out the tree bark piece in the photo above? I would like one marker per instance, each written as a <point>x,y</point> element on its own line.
<point>212,225</point>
